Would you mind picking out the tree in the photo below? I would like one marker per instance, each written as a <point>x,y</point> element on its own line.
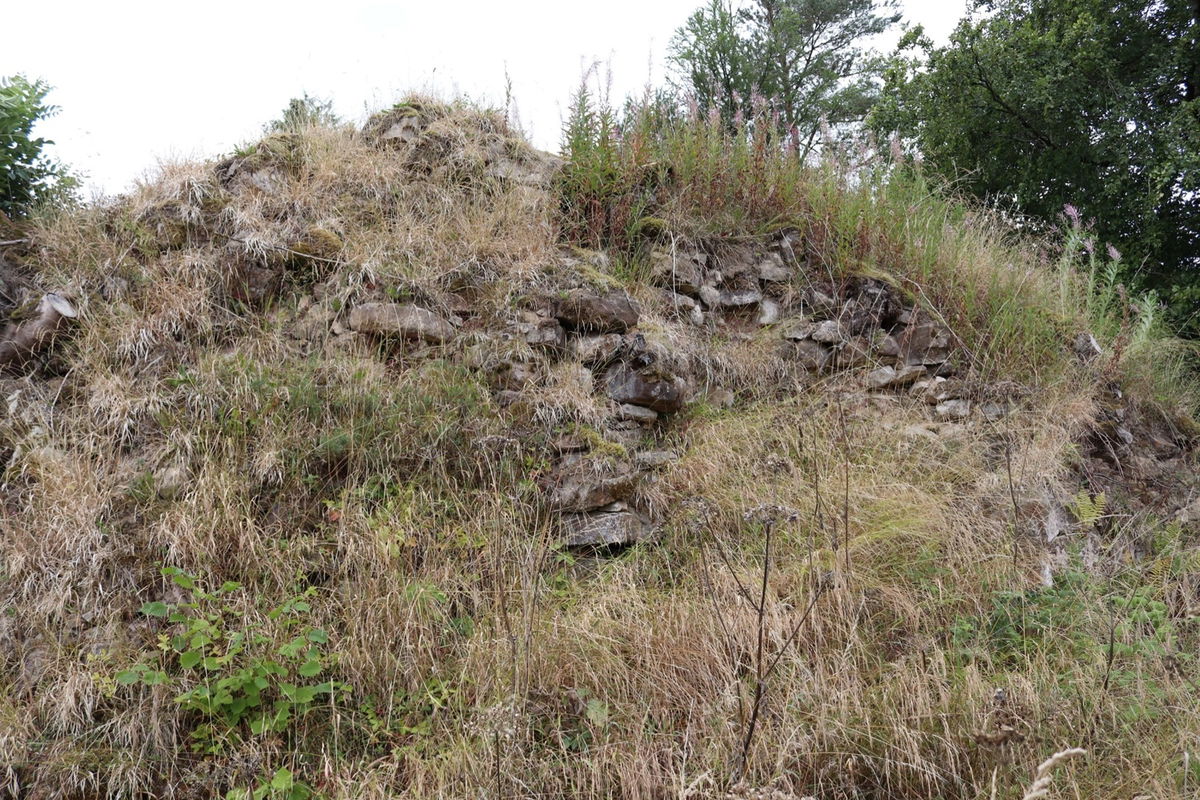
<point>1044,103</point>
<point>28,177</point>
<point>805,58</point>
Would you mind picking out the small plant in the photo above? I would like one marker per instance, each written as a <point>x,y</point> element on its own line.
<point>230,670</point>
<point>28,177</point>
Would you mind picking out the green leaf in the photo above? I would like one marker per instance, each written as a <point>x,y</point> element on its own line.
<point>282,779</point>
<point>309,668</point>
<point>157,608</point>
<point>317,635</point>
<point>128,676</point>
<point>190,659</point>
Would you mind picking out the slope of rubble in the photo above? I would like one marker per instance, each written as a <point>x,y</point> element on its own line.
<point>330,470</point>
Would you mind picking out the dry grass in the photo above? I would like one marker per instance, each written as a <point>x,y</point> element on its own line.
<point>241,438</point>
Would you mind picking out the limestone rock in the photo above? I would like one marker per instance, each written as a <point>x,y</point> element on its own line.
<point>614,312</point>
<point>404,320</point>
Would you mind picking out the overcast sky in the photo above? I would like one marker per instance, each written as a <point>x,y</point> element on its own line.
<point>141,81</point>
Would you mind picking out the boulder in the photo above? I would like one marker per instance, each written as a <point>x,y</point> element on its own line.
<point>829,332</point>
<point>925,343</point>
<point>544,333</point>
<point>682,272</point>
<point>892,378</point>
<point>585,311</point>
<point>772,269</point>
<point>796,329</point>
<point>582,483</point>
<point>403,320</point>
<point>632,413</point>
<point>596,350</point>
<point>642,388</point>
<point>768,312</point>
<point>620,526</point>
<point>811,355</point>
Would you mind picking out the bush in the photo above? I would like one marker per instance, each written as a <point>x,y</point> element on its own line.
<point>28,177</point>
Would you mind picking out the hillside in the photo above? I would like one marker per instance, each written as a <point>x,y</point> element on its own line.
<point>412,462</point>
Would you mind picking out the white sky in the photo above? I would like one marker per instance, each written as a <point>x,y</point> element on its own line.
<point>140,81</point>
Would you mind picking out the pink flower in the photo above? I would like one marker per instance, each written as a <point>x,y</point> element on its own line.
<point>1114,253</point>
<point>1073,214</point>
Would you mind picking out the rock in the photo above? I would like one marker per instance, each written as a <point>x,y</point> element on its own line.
<point>887,346</point>
<point>661,393</point>
<point>768,312</point>
<point>605,529</point>
<point>686,307</point>
<point>634,413</point>
<point>721,398</point>
<point>809,354</point>
<point>1190,513</point>
<point>614,312</point>
<point>854,353</point>
<point>710,296</point>
<point>544,333</point>
<point>682,272</point>
<point>821,303</point>
<point>170,480</point>
<point>796,329</point>
<point>738,298</point>
<point>892,378</point>
<point>772,270</point>
<point>1086,347</point>
<point>828,332</point>
<point>528,167</point>
<point>926,343</point>
<point>513,375</point>
<point>22,340</point>
<point>596,350</point>
<point>949,410</point>
<point>582,483</point>
<point>407,321</point>
<point>994,411</point>
<point>654,459</point>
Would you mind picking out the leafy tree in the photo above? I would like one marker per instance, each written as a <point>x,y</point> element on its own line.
<point>1044,103</point>
<point>803,57</point>
<point>28,177</point>
<point>304,112</point>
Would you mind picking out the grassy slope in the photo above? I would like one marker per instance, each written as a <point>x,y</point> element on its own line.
<point>396,593</point>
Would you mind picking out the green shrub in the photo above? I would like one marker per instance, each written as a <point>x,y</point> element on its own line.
<point>28,177</point>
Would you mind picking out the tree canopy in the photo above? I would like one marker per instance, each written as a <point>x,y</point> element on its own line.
<point>805,59</point>
<point>28,176</point>
<point>1044,103</point>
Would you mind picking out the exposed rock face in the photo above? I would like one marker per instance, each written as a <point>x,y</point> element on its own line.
<point>627,385</point>
<point>683,272</point>
<point>542,332</point>
<point>406,321</point>
<point>584,311</point>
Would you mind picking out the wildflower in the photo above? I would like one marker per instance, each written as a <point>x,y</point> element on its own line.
<point>1113,253</point>
<point>1072,214</point>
